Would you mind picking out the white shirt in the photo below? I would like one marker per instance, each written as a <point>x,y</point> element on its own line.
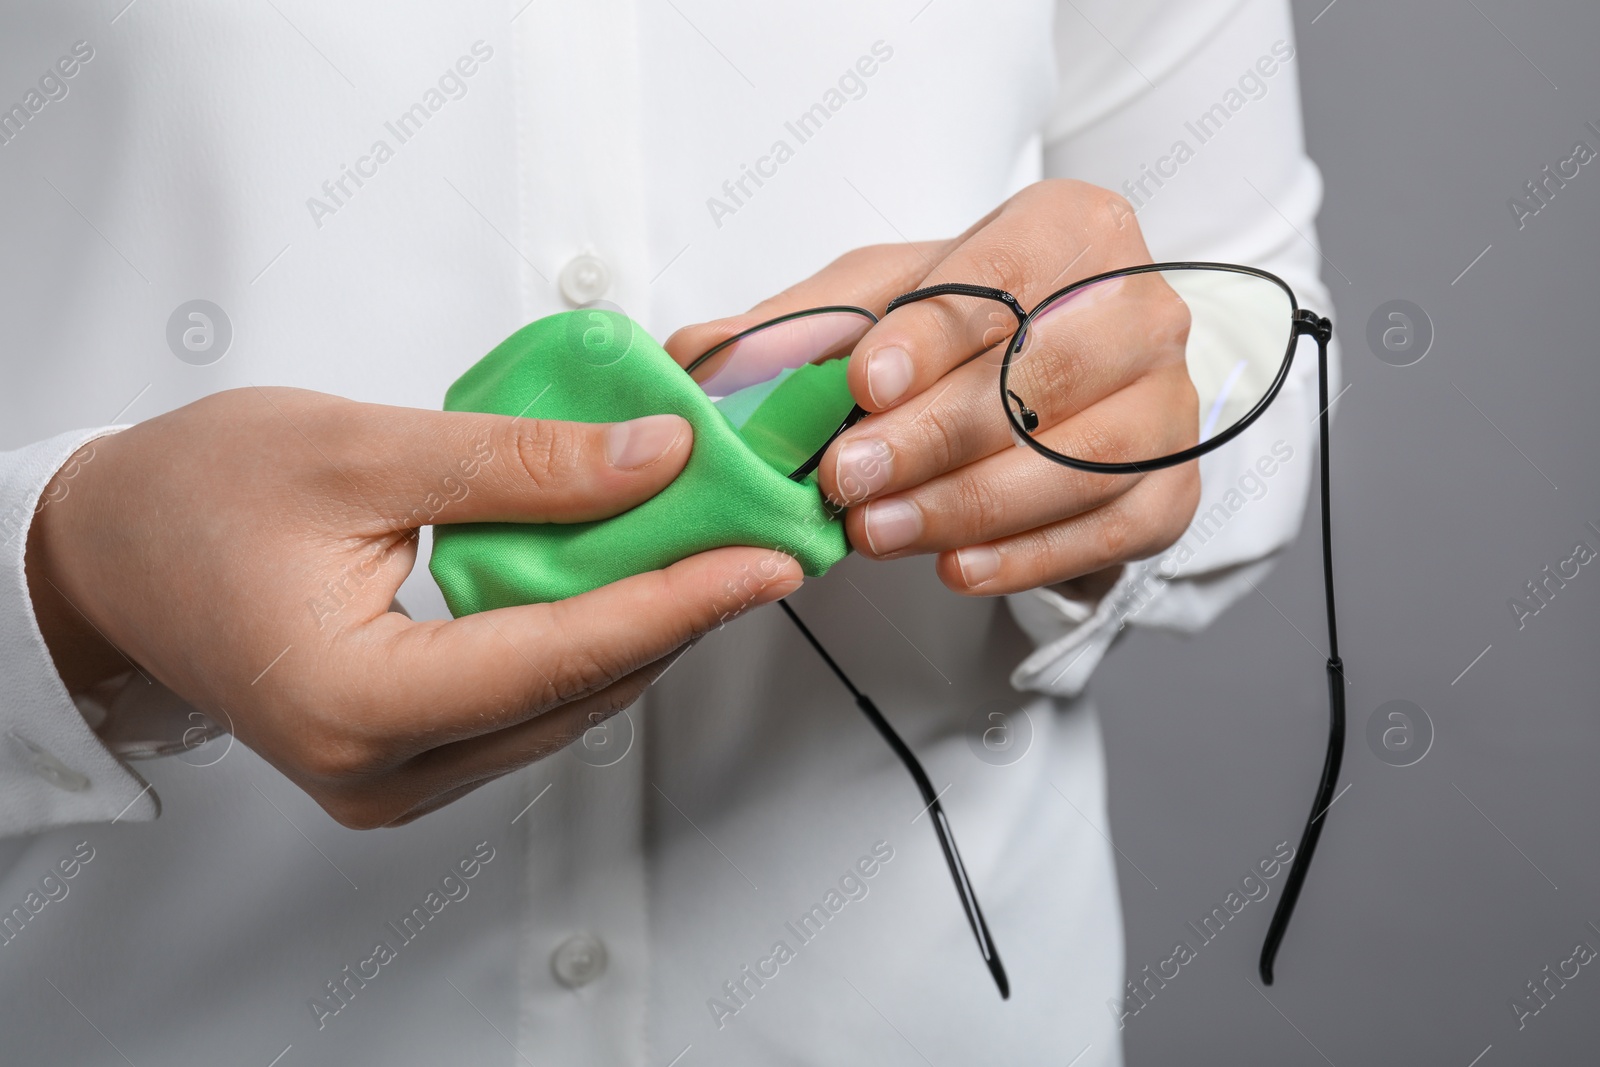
<point>186,157</point>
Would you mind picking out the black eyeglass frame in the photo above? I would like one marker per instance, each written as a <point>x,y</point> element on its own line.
<point>1303,323</point>
<point>856,413</point>
<point>1023,423</point>
<point>1024,431</point>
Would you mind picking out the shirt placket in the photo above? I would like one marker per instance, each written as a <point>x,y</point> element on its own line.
<point>582,239</point>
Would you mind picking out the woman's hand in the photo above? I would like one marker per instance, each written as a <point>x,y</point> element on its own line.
<point>245,551</point>
<point>935,469</point>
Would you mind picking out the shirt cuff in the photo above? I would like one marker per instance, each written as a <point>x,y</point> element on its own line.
<point>54,770</point>
<point>1073,635</point>
<point>137,717</point>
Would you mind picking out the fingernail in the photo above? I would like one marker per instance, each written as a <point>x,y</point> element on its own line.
<point>863,468</point>
<point>978,564</point>
<point>892,525</point>
<point>889,374</point>
<point>639,443</point>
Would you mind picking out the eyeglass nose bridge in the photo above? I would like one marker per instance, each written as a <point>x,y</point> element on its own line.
<point>983,292</point>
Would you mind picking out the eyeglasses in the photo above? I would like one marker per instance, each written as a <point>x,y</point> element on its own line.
<point>1234,332</point>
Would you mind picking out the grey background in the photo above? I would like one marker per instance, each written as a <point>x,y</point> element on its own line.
<point>1423,915</point>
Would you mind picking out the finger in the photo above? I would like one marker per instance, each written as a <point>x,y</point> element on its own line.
<point>1016,490</point>
<point>436,682</point>
<point>448,467</point>
<point>867,277</point>
<point>1097,340</point>
<point>444,774</point>
<point>1078,356</point>
<point>432,804</point>
<point>1136,525</point>
<point>1041,240</point>
<point>1009,493</point>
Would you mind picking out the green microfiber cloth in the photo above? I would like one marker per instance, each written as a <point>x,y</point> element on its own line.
<point>599,366</point>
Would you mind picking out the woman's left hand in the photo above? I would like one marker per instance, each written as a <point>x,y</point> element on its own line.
<point>934,468</point>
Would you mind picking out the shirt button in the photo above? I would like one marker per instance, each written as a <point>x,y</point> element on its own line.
<point>585,280</point>
<point>52,770</point>
<point>578,960</point>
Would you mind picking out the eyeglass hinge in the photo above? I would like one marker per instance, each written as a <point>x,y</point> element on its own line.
<point>1310,322</point>
<point>1015,305</point>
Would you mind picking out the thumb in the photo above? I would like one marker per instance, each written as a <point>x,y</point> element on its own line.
<point>450,467</point>
<point>867,277</point>
<point>440,682</point>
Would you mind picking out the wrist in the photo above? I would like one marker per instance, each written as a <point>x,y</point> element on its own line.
<point>82,655</point>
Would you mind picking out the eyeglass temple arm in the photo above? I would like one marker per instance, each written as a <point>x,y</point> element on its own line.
<point>941,825</point>
<point>1322,330</point>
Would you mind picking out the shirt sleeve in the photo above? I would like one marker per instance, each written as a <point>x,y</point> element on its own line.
<point>54,769</point>
<point>1192,112</point>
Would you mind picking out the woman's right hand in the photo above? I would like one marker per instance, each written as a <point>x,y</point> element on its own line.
<point>245,550</point>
